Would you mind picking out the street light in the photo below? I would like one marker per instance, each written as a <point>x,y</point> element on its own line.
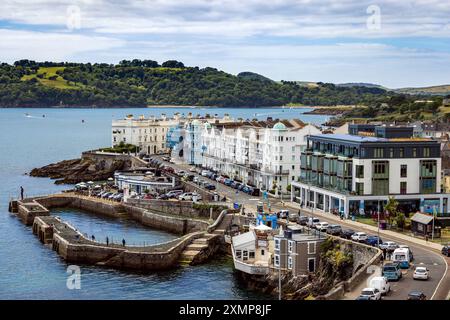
<point>432,231</point>
<point>378,238</point>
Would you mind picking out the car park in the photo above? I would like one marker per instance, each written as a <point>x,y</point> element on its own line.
<point>322,226</point>
<point>416,295</point>
<point>380,283</point>
<point>392,271</point>
<point>446,250</point>
<point>347,233</point>
<point>421,273</point>
<point>359,236</point>
<point>334,229</point>
<point>372,293</point>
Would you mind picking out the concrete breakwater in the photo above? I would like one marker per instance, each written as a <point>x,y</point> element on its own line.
<point>72,246</point>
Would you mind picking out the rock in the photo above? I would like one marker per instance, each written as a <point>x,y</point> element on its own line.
<point>78,170</point>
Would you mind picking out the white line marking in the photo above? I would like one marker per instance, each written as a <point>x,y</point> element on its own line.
<point>445,273</point>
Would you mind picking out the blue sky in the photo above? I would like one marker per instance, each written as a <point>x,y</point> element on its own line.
<point>397,43</point>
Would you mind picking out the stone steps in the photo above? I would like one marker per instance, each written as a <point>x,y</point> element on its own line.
<point>195,248</point>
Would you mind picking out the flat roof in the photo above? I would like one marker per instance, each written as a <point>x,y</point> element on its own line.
<point>360,139</point>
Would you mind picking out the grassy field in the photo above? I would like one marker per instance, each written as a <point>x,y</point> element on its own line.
<point>47,73</point>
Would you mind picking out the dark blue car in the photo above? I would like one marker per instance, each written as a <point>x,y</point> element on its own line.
<point>373,241</point>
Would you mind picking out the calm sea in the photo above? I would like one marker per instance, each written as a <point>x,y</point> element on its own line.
<point>30,270</point>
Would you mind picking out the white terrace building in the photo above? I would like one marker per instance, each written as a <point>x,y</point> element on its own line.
<point>149,134</point>
<point>264,154</point>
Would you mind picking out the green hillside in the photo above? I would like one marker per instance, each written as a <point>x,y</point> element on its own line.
<point>139,83</point>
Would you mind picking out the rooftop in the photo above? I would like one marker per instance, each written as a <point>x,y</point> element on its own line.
<point>360,139</point>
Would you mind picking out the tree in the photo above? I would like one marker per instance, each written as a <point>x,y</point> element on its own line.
<point>392,208</point>
<point>172,64</point>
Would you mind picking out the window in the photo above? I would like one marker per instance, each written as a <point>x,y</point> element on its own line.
<point>277,244</point>
<point>293,149</point>
<point>359,188</point>
<point>391,152</point>
<point>426,152</point>
<point>290,245</point>
<point>290,263</point>
<point>403,171</point>
<point>238,254</point>
<point>403,187</point>
<point>277,260</point>
<point>262,252</point>
<point>311,247</point>
<point>293,158</point>
<point>359,171</point>
<point>311,264</point>
<point>245,255</point>
<point>251,255</point>
<point>378,153</point>
<point>401,152</point>
<point>414,152</point>
<point>293,167</point>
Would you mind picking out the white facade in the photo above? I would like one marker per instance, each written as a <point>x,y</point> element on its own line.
<point>261,156</point>
<point>149,134</point>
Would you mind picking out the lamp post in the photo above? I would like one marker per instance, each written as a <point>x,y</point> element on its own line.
<point>378,237</point>
<point>432,231</point>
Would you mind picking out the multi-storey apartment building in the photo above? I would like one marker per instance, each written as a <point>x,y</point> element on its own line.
<point>354,173</point>
<point>264,154</point>
<point>149,134</point>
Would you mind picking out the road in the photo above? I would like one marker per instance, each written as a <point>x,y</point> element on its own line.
<point>437,287</point>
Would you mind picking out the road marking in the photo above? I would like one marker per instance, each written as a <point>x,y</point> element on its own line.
<point>442,279</point>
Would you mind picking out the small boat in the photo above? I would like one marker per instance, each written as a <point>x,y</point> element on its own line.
<point>43,116</point>
<point>82,121</point>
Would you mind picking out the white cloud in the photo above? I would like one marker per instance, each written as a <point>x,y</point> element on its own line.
<point>16,45</point>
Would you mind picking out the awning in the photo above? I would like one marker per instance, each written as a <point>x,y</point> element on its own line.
<point>422,218</point>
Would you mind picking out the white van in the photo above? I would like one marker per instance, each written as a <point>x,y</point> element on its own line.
<point>401,256</point>
<point>380,283</point>
<point>312,222</point>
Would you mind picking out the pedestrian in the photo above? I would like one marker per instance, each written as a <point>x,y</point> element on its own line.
<point>426,237</point>
<point>107,241</point>
<point>123,242</point>
<point>21,192</point>
<point>93,238</point>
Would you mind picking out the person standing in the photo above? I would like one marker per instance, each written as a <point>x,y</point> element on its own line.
<point>123,242</point>
<point>21,192</point>
<point>107,241</point>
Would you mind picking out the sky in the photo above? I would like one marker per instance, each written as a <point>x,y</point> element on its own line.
<point>395,43</point>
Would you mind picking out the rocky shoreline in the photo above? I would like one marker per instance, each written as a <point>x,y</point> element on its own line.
<point>78,170</point>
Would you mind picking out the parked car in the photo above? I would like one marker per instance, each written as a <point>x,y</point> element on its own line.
<point>392,271</point>
<point>227,182</point>
<point>372,293</point>
<point>446,250</point>
<point>283,214</point>
<point>380,283</point>
<point>189,196</point>
<point>220,179</point>
<point>166,158</point>
<point>312,222</point>
<point>241,187</point>
<point>322,226</point>
<point>373,241</point>
<point>180,173</point>
<point>359,236</point>
<point>174,193</point>
<point>421,273</point>
<point>106,195</point>
<point>204,173</point>
<point>302,220</point>
<point>292,216</point>
<point>362,298</point>
<point>210,186</point>
<point>347,233</point>
<point>334,229</point>
<point>416,295</point>
<point>388,245</point>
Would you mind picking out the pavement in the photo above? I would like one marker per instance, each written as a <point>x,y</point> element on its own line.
<point>425,253</point>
